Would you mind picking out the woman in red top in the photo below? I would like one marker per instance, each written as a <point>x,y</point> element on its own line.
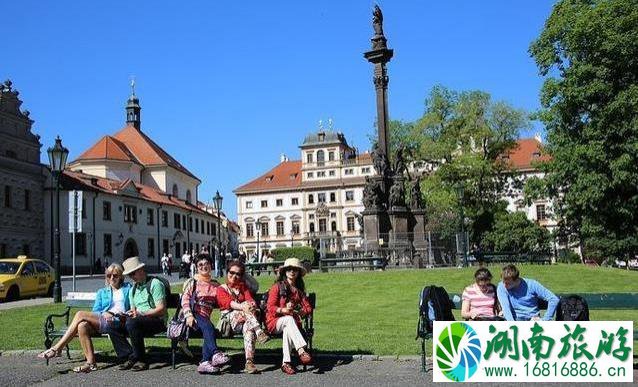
<point>287,304</point>
<point>238,306</point>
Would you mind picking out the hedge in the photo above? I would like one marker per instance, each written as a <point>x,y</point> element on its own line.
<point>304,253</point>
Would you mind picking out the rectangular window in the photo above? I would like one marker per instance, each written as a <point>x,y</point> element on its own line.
<point>540,212</point>
<point>27,199</point>
<point>7,196</point>
<point>207,228</point>
<point>321,174</point>
<point>106,211</point>
<point>365,170</point>
<point>177,221</point>
<point>250,231</point>
<point>183,222</point>
<point>83,208</point>
<point>130,214</point>
<point>310,175</point>
<point>295,201</point>
<point>321,197</point>
<point>333,197</point>
<point>280,228</point>
<point>264,203</point>
<point>80,243</point>
<point>309,158</point>
<point>150,218</point>
<point>331,173</point>
<point>349,196</point>
<point>164,218</point>
<point>190,224</point>
<point>264,229</point>
<point>311,216</point>
<point>151,247</point>
<point>108,243</point>
<point>197,225</point>
<point>279,202</point>
<point>311,199</point>
<point>348,171</point>
<point>165,246</point>
<point>331,156</point>
<point>249,204</point>
<point>295,227</point>
<point>350,223</point>
<point>214,228</point>
<point>202,225</point>
<point>322,225</point>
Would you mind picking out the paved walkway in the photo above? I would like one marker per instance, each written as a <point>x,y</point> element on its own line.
<point>25,369</point>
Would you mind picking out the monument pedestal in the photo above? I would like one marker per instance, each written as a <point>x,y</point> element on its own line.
<point>375,226</point>
<point>399,235</point>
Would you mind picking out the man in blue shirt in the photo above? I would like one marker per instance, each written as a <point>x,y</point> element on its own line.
<point>519,297</point>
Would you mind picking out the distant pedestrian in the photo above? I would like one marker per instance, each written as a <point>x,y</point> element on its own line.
<point>170,264</point>
<point>98,265</point>
<point>164,264</point>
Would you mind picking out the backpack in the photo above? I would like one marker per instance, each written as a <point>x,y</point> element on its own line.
<point>572,308</point>
<point>263,304</point>
<point>151,301</point>
<point>434,304</point>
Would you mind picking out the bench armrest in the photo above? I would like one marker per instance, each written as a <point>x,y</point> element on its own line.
<point>49,326</point>
<point>308,320</point>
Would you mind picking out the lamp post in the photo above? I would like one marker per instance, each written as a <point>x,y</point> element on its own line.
<point>57,162</point>
<point>218,199</point>
<point>258,225</point>
<point>460,190</point>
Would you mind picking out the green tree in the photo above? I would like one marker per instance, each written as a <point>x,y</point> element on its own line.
<point>588,54</point>
<point>513,232</point>
<point>463,136</point>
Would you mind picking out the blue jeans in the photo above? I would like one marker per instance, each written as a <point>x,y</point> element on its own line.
<point>208,332</point>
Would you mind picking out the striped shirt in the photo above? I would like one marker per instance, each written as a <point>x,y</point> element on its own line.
<point>481,304</point>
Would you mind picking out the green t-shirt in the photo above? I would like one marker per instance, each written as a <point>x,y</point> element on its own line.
<point>139,295</point>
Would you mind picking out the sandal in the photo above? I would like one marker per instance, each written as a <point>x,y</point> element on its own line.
<point>86,368</point>
<point>50,353</point>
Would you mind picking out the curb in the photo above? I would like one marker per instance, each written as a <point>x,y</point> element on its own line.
<point>322,356</point>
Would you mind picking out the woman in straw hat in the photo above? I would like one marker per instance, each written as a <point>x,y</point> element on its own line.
<point>287,304</point>
<point>111,303</point>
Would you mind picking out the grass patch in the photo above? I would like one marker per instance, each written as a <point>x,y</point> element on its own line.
<point>365,312</point>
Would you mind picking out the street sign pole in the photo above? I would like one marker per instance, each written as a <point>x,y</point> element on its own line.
<point>75,224</point>
<point>75,228</point>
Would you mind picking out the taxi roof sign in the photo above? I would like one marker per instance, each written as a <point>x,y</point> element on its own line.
<point>22,257</point>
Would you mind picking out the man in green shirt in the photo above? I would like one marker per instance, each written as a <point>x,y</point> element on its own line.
<point>146,317</point>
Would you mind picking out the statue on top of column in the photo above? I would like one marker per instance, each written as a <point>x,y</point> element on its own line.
<point>377,21</point>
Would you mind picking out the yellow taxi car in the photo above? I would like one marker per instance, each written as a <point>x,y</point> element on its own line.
<point>25,277</point>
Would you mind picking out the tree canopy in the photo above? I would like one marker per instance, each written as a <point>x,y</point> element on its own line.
<point>588,54</point>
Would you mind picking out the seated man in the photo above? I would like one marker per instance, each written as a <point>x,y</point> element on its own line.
<point>519,297</point>
<point>147,315</point>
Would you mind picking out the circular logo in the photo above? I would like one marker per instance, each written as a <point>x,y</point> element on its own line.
<point>458,352</point>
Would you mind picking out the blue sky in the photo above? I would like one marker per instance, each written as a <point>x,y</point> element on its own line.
<point>227,86</point>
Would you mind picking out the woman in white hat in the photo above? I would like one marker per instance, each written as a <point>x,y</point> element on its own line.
<point>287,304</point>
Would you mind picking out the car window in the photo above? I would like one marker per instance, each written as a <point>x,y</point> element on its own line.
<point>28,269</point>
<point>9,267</point>
<point>42,267</point>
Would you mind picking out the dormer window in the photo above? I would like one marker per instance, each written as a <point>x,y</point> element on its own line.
<point>269,178</point>
<point>321,136</point>
<point>536,154</point>
<point>175,191</point>
<point>293,176</point>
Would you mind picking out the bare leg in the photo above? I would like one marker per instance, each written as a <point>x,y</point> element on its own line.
<point>72,331</point>
<point>85,330</point>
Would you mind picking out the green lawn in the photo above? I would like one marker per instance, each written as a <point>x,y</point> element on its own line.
<point>367,312</point>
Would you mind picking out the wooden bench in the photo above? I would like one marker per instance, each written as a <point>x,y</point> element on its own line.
<point>86,300</point>
<point>326,264</point>
<point>594,301</point>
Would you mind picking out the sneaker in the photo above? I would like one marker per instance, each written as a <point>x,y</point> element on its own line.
<point>140,366</point>
<point>207,367</point>
<point>219,358</point>
<point>287,368</point>
<point>305,358</point>
<point>250,367</point>
<point>262,337</point>
<point>127,365</point>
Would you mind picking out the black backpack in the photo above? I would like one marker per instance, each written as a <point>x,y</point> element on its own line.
<point>572,308</point>
<point>434,304</point>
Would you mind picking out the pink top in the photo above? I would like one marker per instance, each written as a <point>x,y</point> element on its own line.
<point>206,297</point>
<point>480,303</point>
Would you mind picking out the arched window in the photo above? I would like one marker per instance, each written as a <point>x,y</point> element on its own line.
<point>188,195</point>
<point>312,227</point>
<point>320,157</point>
<point>333,226</point>
<point>175,190</point>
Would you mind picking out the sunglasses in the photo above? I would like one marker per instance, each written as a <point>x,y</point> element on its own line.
<point>113,275</point>
<point>204,264</point>
<point>235,273</point>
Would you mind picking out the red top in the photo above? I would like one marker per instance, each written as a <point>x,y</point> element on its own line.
<point>297,298</point>
<point>224,298</point>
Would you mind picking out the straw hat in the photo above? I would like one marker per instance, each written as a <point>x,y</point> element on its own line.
<point>132,264</point>
<point>293,262</point>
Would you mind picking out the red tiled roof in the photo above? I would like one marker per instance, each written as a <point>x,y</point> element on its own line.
<point>527,152</point>
<point>286,175</point>
<point>131,144</point>
<point>83,181</point>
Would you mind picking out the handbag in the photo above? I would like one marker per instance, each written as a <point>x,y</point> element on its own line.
<point>177,329</point>
<point>224,326</point>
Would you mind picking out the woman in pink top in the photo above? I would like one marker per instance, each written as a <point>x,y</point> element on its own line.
<point>198,300</point>
<point>479,299</point>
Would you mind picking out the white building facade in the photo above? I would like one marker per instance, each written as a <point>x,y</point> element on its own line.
<point>303,202</point>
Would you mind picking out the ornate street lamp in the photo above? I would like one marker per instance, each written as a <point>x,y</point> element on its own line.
<point>258,225</point>
<point>460,191</point>
<point>57,162</point>
<point>218,199</point>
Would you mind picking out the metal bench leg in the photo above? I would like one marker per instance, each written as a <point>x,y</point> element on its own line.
<point>173,351</point>
<point>423,369</point>
<point>68,353</point>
